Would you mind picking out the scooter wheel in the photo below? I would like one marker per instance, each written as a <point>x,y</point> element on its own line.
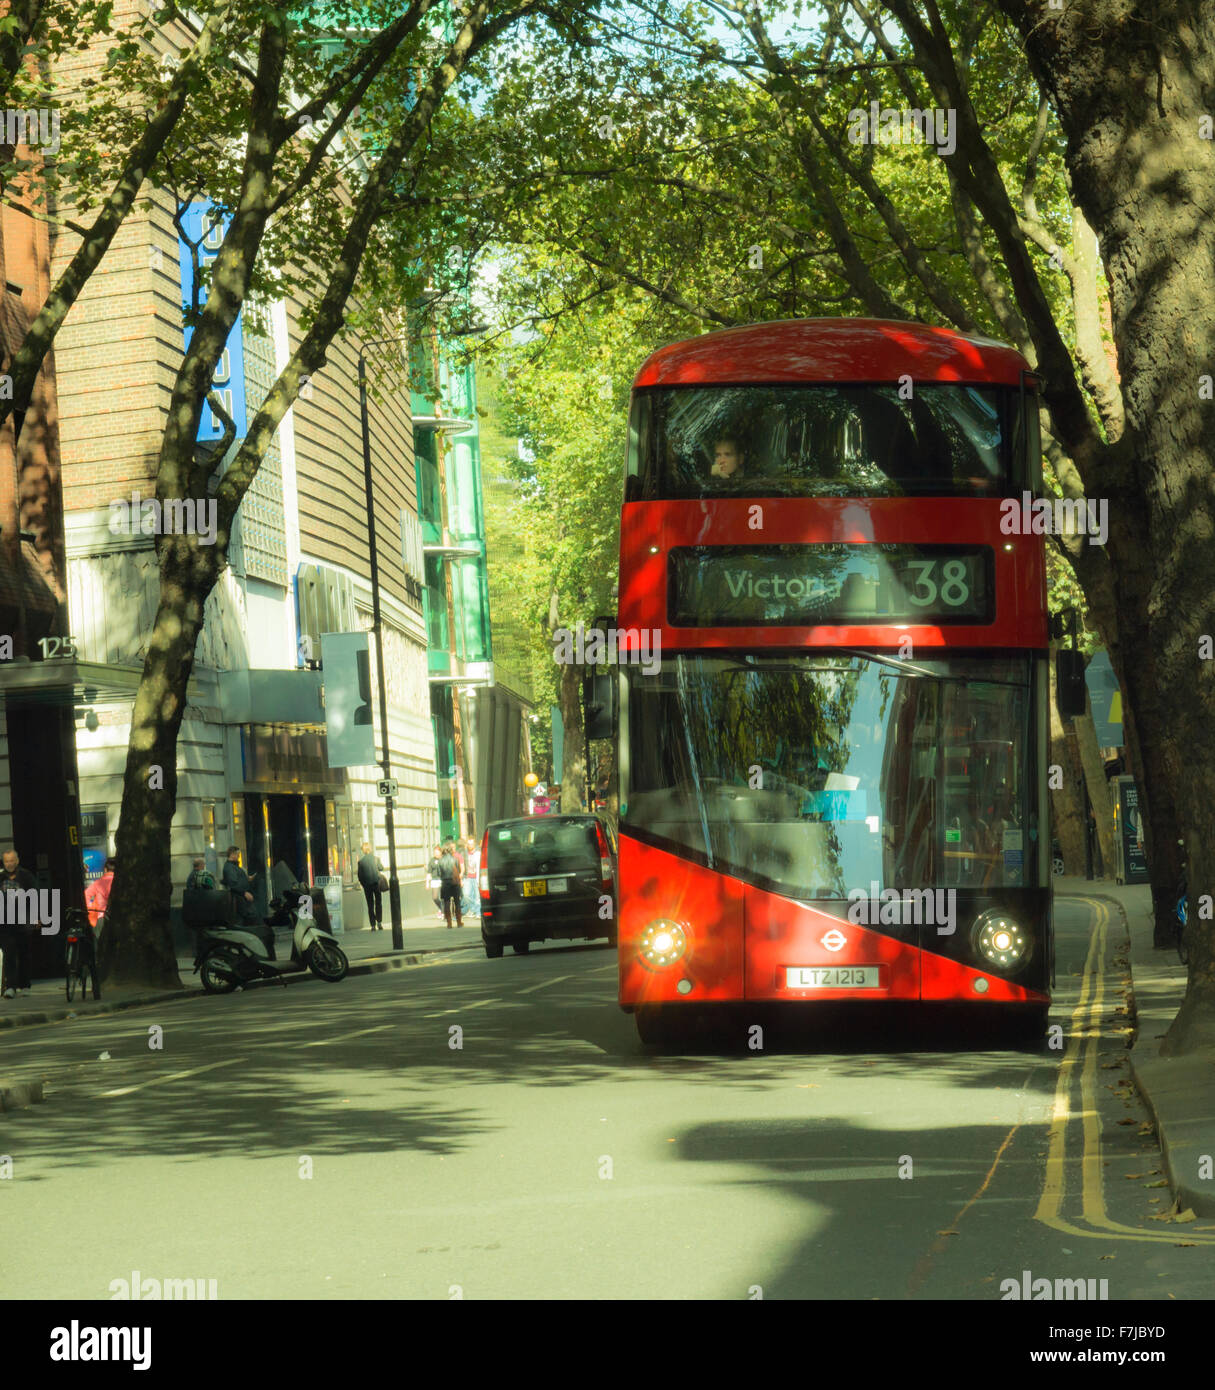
<point>217,975</point>
<point>328,961</point>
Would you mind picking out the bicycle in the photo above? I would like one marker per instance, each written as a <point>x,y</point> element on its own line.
<point>80,951</point>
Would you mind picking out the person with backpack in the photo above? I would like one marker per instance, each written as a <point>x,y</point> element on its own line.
<point>450,884</point>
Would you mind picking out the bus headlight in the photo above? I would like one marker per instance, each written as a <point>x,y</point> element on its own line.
<point>1000,939</point>
<point>663,943</point>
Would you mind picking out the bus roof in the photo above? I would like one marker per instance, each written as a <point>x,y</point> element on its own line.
<point>832,350</point>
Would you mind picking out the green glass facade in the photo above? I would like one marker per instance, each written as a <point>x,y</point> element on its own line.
<point>458,634</point>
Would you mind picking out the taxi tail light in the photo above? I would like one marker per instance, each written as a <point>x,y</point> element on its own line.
<point>483,873</point>
<point>605,857</point>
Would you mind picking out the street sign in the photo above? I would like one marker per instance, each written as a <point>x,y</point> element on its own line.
<point>206,230</point>
<point>386,786</point>
<point>1107,700</point>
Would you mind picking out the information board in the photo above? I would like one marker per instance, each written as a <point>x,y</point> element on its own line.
<point>332,886</point>
<point>1133,861</point>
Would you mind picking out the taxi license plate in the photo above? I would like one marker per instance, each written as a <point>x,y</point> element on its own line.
<point>535,887</point>
<point>831,977</point>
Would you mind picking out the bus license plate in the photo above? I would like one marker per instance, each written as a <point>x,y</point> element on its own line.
<point>534,887</point>
<point>832,977</point>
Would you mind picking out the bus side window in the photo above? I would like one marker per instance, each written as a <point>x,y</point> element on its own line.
<point>636,453</point>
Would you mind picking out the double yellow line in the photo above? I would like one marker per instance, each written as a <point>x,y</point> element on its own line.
<point>1082,1051</point>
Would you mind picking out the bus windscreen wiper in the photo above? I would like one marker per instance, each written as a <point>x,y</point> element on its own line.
<point>897,662</point>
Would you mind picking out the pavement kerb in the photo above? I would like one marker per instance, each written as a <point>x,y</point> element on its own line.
<point>29,1093</point>
<point>1168,1086</point>
<point>1179,1092</point>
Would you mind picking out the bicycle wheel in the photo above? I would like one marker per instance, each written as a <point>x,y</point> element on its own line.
<point>73,969</point>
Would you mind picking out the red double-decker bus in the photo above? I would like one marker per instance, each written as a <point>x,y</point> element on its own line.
<point>831,701</point>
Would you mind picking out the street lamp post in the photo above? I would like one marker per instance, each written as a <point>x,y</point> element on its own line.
<point>394,886</point>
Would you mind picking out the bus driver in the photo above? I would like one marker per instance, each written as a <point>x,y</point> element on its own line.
<point>727,457</point>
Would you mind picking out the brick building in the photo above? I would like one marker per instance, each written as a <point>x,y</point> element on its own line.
<point>39,682</point>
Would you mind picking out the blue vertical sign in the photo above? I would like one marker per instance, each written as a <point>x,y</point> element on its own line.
<point>200,221</point>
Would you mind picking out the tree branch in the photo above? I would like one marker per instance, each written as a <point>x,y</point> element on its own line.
<point>979,174</point>
<point>97,239</point>
<point>373,62</point>
<point>310,356</point>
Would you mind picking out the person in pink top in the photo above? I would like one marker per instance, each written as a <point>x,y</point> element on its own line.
<point>97,894</point>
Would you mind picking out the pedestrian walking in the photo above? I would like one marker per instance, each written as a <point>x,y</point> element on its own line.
<point>472,906</point>
<point>20,922</point>
<point>436,883</point>
<point>450,884</point>
<point>371,876</point>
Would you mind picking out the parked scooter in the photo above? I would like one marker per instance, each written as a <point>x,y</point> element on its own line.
<point>229,958</point>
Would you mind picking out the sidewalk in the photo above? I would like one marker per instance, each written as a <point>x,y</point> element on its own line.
<point>368,952</point>
<point>1178,1091</point>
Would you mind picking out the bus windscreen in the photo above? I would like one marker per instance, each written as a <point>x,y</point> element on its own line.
<point>814,776</point>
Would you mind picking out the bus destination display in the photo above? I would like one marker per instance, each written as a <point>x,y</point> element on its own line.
<point>837,583</point>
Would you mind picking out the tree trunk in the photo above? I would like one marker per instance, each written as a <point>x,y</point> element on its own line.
<point>1067,802</point>
<point>1098,788</point>
<point>1129,100</point>
<point>1161,831</point>
<point>573,763</point>
<point>137,940</point>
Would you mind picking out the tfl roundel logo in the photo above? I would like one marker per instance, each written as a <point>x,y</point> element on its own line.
<point>834,940</point>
